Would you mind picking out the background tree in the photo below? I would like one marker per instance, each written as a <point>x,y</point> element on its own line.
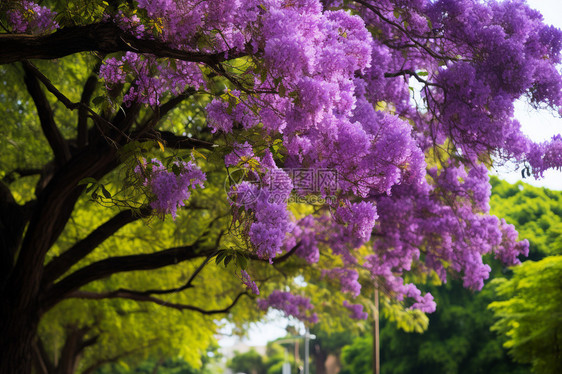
<point>250,362</point>
<point>530,315</point>
<point>278,92</point>
<point>528,304</point>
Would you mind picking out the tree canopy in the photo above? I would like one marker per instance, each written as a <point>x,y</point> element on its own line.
<point>346,142</point>
<point>527,308</point>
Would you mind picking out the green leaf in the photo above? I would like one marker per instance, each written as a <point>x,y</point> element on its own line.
<point>242,261</point>
<point>105,192</point>
<point>87,181</point>
<point>220,257</point>
<point>99,100</point>
<point>282,90</point>
<point>227,260</point>
<point>93,187</point>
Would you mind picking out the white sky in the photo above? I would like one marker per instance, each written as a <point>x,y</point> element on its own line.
<point>539,126</point>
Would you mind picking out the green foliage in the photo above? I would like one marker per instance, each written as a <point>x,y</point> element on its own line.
<point>330,342</point>
<point>531,314</point>
<point>150,366</point>
<point>458,339</point>
<point>535,212</point>
<point>250,362</point>
<point>529,311</point>
<point>357,358</point>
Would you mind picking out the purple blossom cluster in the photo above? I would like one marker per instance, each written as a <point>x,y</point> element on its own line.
<point>31,18</point>
<point>150,78</point>
<point>356,310</point>
<point>349,279</point>
<point>267,203</point>
<point>305,238</point>
<point>250,284</point>
<point>546,155</point>
<point>296,306</point>
<point>170,188</point>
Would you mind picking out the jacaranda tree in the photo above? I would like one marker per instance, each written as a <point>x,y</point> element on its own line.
<point>353,136</point>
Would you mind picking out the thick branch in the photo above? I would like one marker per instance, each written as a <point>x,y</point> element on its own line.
<point>12,175</point>
<point>46,117</point>
<point>61,264</point>
<point>50,214</point>
<point>183,287</point>
<point>279,259</point>
<point>182,142</point>
<point>98,37</point>
<point>42,360</point>
<point>13,218</point>
<point>105,268</point>
<point>412,73</point>
<point>147,298</point>
<point>87,92</point>
<point>165,108</point>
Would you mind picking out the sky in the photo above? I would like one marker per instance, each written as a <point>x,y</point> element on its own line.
<point>538,125</point>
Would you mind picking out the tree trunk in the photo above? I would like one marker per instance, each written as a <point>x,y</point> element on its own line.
<point>319,359</point>
<point>18,327</point>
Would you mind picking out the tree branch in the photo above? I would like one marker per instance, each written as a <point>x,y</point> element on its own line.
<point>120,119</point>
<point>11,176</point>
<point>42,361</point>
<point>412,38</point>
<point>46,117</point>
<point>147,298</point>
<point>165,108</point>
<point>183,287</point>
<point>98,37</point>
<point>182,142</point>
<point>87,92</point>
<point>50,214</point>
<point>412,73</point>
<point>105,268</point>
<point>61,264</point>
<point>276,260</point>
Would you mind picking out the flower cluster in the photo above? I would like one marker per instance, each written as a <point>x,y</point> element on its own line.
<point>356,310</point>
<point>32,18</point>
<point>292,305</point>
<point>349,279</point>
<point>250,284</point>
<point>150,79</point>
<point>170,188</point>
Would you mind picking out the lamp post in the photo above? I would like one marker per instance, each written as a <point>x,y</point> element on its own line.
<point>376,333</point>
<point>307,337</point>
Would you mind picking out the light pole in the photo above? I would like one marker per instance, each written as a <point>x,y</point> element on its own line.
<point>307,337</point>
<point>376,341</point>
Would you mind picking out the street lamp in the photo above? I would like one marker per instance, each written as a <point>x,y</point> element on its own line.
<point>307,337</point>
